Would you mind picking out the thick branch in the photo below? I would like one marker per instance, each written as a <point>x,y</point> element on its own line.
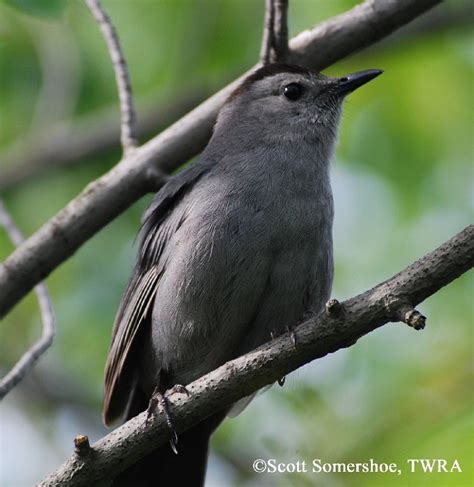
<point>351,31</point>
<point>112,193</point>
<point>31,356</point>
<point>124,86</point>
<point>241,377</point>
<point>447,17</point>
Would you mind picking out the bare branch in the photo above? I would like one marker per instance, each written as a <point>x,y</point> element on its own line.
<point>354,30</point>
<point>275,32</point>
<point>127,109</point>
<point>108,196</point>
<point>241,377</point>
<point>267,37</point>
<point>280,30</point>
<point>29,358</point>
<point>447,17</point>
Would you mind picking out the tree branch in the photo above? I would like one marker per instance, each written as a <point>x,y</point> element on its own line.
<point>127,109</point>
<point>267,37</point>
<point>447,17</point>
<point>241,377</point>
<point>98,133</point>
<point>31,356</point>
<point>275,32</point>
<point>355,29</point>
<point>108,196</point>
<point>280,30</point>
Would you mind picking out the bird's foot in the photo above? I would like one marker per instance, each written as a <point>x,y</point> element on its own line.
<point>158,398</point>
<point>292,332</point>
<point>288,329</point>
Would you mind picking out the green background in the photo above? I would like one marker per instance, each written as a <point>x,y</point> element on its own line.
<point>402,179</point>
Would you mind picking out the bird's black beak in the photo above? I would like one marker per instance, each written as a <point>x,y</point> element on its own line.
<point>347,84</point>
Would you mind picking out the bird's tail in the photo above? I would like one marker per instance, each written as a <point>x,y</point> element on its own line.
<point>163,467</point>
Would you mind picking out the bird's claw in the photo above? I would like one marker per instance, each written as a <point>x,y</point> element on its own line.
<point>292,333</point>
<point>158,398</point>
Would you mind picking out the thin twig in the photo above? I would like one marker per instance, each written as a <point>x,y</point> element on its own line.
<point>127,109</point>
<point>275,32</point>
<point>243,376</point>
<point>280,30</point>
<point>267,38</point>
<point>30,357</point>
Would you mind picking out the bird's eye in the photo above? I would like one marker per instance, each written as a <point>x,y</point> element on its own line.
<point>293,91</point>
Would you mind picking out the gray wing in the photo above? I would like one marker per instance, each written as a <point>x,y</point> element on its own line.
<point>137,300</point>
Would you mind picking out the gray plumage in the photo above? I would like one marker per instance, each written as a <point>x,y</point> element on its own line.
<point>239,244</point>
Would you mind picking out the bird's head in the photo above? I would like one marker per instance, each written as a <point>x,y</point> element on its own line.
<point>280,103</point>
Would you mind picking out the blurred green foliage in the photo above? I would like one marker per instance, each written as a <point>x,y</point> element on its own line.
<point>42,8</point>
<point>403,184</point>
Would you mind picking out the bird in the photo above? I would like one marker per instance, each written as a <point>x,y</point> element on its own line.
<point>235,248</point>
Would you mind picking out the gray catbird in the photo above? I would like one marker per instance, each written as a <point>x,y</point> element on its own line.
<point>234,248</point>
